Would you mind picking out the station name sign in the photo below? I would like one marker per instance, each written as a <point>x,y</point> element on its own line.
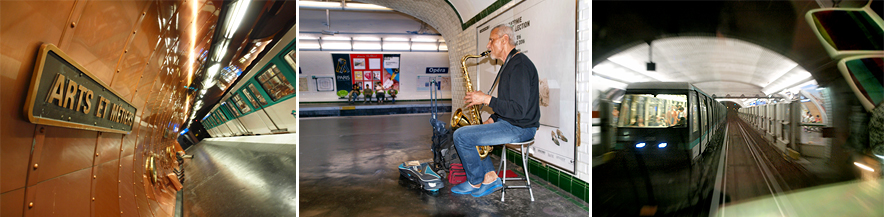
<point>437,70</point>
<point>65,94</point>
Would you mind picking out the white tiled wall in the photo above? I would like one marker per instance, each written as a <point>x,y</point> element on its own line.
<point>584,88</point>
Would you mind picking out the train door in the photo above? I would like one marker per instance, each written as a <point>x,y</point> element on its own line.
<point>693,125</point>
<point>704,131</point>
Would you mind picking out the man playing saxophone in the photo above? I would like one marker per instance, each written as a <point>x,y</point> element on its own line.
<point>516,114</point>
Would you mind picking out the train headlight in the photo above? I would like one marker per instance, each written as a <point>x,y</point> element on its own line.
<point>640,145</point>
<point>662,145</point>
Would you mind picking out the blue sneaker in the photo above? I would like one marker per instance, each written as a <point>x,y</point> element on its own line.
<point>486,189</point>
<point>463,188</point>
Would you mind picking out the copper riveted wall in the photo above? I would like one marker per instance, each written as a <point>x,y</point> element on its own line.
<point>141,50</point>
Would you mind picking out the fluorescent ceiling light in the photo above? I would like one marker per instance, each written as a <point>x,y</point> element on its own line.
<point>443,47</point>
<point>239,11</point>
<point>336,45</point>
<point>362,6</point>
<point>308,45</point>
<point>423,46</point>
<point>424,40</point>
<point>396,46</point>
<point>307,37</point>
<point>336,38</point>
<point>359,45</point>
<point>315,4</point>
<point>366,39</point>
<point>395,39</point>
<point>213,70</point>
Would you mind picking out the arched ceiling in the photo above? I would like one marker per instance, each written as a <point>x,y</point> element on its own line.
<point>740,47</point>
<point>717,65</point>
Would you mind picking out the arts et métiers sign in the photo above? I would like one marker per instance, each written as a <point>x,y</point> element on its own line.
<point>65,94</point>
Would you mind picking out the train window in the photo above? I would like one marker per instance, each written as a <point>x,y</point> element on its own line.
<point>250,98</point>
<point>290,58</point>
<point>275,83</point>
<point>233,109</point>
<point>703,117</point>
<point>239,103</point>
<point>647,110</point>
<point>257,95</point>
<point>693,113</point>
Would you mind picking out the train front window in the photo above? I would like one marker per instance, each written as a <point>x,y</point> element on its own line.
<point>653,111</point>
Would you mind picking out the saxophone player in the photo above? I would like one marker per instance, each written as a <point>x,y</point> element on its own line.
<point>516,114</point>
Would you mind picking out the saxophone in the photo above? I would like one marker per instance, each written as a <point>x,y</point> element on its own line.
<point>459,119</point>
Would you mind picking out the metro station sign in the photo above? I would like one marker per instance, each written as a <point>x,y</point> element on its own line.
<point>65,94</point>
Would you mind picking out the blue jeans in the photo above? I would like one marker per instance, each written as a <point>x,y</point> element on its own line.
<point>500,132</point>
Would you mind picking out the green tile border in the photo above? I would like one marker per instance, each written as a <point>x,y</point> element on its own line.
<point>554,176</point>
<point>584,207</point>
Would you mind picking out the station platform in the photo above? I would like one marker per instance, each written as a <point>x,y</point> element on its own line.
<point>360,108</point>
<point>241,176</point>
<point>348,167</point>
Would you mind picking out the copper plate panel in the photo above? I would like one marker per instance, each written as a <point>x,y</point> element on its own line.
<point>12,202</point>
<point>108,147</point>
<point>138,177</point>
<point>101,35</point>
<point>62,196</point>
<point>64,150</point>
<point>19,45</point>
<point>126,185</point>
<point>105,190</point>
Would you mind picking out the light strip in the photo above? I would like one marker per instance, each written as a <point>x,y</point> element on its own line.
<point>867,168</point>
<point>239,11</point>
<point>362,6</point>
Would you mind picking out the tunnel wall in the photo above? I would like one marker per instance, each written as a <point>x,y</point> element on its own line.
<point>138,49</point>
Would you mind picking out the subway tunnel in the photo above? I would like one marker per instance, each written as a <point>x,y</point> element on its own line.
<point>199,105</point>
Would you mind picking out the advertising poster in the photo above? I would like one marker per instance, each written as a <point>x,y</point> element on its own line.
<point>551,47</point>
<point>343,74</point>
<point>390,74</point>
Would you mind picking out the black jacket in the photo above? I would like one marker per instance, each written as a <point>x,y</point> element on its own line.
<point>518,95</point>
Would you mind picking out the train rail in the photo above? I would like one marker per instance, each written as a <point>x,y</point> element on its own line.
<point>751,169</point>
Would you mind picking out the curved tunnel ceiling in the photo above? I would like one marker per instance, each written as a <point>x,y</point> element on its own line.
<point>717,65</point>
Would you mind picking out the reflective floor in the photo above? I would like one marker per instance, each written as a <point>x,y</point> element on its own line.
<point>348,168</point>
<point>242,176</point>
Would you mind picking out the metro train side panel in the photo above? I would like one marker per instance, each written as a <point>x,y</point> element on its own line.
<point>264,103</point>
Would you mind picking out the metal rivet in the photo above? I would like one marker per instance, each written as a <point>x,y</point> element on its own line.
<point>96,154</point>
<point>35,166</point>
<point>42,129</point>
<point>121,196</point>
<point>73,24</point>
<point>94,177</point>
<point>69,118</point>
<point>93,199</point>
<point>119,181</point>
<point>31,204</point>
